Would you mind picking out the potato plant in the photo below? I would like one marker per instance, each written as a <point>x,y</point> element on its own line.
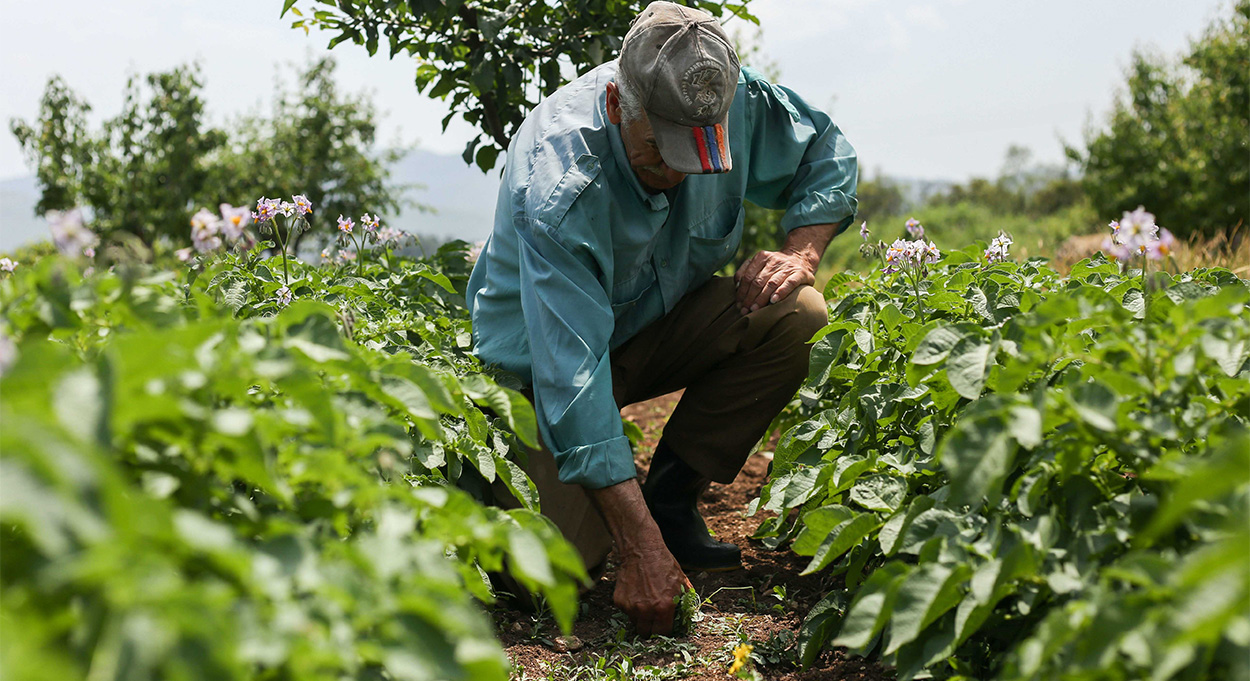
<point>1023,475</point>
<point>203,476</point>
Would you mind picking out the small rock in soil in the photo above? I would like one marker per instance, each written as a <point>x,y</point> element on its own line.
<point>566,644</point>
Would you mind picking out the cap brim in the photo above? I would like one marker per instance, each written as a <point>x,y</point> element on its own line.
<point>694,151</point>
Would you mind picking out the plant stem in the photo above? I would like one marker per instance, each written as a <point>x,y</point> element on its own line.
<point>277,236</point>
<point>914,275</point>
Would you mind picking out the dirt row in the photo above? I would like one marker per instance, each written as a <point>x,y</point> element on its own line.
<point>739,606</point>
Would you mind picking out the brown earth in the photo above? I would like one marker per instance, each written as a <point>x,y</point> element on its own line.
<point>738,605</point>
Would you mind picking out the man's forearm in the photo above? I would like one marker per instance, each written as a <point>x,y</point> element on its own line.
<point>625,512</point>
<point>810,242</point>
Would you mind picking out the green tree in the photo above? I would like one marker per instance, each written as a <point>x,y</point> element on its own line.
<point>149,168</point>
<point>493,60</point>
<point>318,142</point>
<point>141,172</point>
<point>1178,141</point>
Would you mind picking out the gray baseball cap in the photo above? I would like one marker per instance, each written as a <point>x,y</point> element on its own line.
<point>685,72</point>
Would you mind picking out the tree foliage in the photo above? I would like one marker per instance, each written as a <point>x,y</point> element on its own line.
<point>141,171</point>
<point>1178,139</point>
<point>146,170</point>
<point>492,60</point>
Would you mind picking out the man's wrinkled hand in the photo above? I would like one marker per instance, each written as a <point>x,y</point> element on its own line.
<point>647,586</point>
<point>770,276</point>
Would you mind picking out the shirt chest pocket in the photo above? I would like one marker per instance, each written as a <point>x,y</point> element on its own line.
<point>627,292</point>
<point>714,242</point>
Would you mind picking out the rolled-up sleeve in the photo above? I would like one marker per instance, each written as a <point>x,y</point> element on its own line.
<point>569,322</point>
<point>800,161</point>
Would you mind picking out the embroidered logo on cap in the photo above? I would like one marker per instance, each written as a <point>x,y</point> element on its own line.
<point>701,87</point>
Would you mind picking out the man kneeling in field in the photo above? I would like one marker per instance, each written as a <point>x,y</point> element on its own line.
<point>622,195</point>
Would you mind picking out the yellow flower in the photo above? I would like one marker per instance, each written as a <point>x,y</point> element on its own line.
<point>742,654</point>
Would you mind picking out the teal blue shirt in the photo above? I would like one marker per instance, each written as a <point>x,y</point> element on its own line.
<point>582,257</point>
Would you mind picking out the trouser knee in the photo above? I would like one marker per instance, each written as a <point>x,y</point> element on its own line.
<point>808,314</point>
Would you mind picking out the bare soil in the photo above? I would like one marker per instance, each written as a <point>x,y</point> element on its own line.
<point>742,604</point>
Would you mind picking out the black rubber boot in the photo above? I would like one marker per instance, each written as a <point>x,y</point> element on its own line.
<point>672,493</point>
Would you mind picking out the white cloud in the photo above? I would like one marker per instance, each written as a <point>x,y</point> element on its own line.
<point>925,16</point>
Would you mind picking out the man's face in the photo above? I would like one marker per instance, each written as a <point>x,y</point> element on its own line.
<point>644,155</point>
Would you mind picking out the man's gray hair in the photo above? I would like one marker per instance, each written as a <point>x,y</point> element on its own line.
<point>631,101</point>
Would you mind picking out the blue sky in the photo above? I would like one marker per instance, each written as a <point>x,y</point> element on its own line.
<point>922,88</point>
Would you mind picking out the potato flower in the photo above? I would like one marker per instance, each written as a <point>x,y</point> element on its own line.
<point>69,233</point>
<point>233,220</point>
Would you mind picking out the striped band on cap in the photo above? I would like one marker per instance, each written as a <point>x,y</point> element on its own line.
<point>713,151</point>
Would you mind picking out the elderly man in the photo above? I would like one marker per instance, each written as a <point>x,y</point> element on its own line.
<point>622,196</point>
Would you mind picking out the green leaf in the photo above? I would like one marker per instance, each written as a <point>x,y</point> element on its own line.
<point>928,592</point>
<point>1095,403</point>
<point>508,404</point>
<point>977,454</point>
<point>969,365</point>
<point>841,539</point>
<point>871,607</point>
<point>821,621</point>
<point>880,492</point>
<point>937,344</point>
<point>817,523</point>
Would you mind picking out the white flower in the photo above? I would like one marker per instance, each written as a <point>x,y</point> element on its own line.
<point>68,232</point>
<point>7,265</point>
<point>183,254</point>
<point>233,220</point>
<point>283,296</point>
<point>1137,228</point>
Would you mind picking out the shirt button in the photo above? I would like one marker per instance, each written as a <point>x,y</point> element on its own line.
<point>663,263</point>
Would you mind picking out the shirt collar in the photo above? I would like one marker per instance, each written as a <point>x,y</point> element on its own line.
<point>653,201</point>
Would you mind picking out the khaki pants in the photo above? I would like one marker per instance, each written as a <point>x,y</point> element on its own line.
<point>738,371</point>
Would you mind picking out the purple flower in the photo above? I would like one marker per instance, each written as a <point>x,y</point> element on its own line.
<point>283,296</point>
<point>7,265</point>
<point>475,252</point>
<point>863,230</point>
<point>266,210</point>
<point>302,204</point>
<point>391,236</point>
<point>369,223</point>
<point>183,254</point>
<point>1161,247</point>
<point>346,225</point>
<point>915,229</point>
<point>204,230</point>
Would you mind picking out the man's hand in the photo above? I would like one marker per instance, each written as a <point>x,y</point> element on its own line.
<point>770,276</point>
<point>649,578</point>
<point>647,584</point>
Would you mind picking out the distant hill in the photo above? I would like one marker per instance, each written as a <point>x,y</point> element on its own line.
<point>462,199</point>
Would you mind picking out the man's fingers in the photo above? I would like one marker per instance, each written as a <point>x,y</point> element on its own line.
<point>784,290</point>
<point>762,298</point>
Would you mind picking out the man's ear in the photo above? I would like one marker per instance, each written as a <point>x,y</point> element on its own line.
<point>614,104</point>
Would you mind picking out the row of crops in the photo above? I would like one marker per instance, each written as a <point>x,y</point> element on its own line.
<point>1019,475</point>
<point>224,466</point>
<point>206,476</point>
